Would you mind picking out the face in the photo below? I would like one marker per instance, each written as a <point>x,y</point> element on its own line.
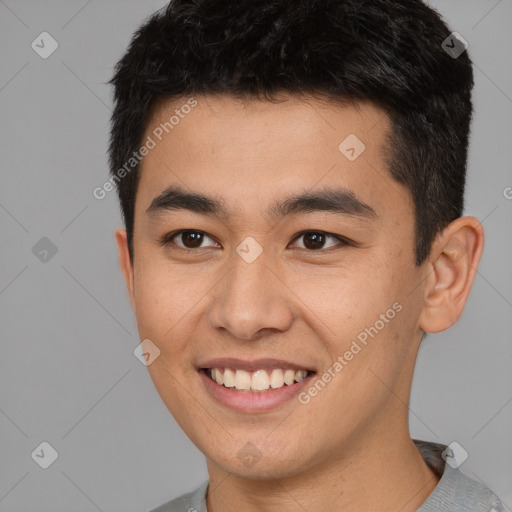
<point>269,246</point>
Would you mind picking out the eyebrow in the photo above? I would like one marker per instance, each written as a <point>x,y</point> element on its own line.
<point>336,200</point>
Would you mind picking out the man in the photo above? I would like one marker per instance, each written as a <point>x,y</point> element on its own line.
<point>291,177</point>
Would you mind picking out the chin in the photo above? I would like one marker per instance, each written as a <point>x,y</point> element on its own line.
<point>255,464</point>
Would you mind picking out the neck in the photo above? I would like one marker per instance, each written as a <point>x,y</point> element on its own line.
<point>378,473</point>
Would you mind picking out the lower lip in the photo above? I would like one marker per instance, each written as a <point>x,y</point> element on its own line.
<point>249,402</point>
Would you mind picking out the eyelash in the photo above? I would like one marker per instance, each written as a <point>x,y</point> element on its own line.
<point>168,240</point>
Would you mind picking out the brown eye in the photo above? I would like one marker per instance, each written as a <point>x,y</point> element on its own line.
<point>191,239</point>
<point>187,239</point>
<point>316,240</point>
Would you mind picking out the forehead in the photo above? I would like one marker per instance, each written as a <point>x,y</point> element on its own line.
<point>254,151</point>
<point>300,118</point>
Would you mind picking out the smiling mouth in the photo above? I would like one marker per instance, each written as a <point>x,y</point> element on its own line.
<point>259,381</point>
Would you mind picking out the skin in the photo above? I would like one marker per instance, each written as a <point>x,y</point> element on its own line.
<point>350,445</point>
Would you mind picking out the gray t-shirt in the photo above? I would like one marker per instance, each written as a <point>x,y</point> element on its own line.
<point>455,492</point>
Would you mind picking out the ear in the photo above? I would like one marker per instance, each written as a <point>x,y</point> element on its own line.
<point>125,263</point>
<point>452,268</point>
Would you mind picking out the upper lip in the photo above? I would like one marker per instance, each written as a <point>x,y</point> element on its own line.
<point>250,366</point>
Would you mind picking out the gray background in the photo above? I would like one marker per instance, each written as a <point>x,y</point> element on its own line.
<point>68,375</point>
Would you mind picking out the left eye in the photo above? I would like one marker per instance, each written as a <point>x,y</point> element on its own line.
<point>315,240</point>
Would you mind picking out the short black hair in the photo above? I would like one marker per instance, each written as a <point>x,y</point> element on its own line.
<point>385,51</point>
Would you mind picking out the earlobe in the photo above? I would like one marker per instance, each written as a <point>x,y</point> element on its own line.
<point>453,260</point>
<point>125,263</point>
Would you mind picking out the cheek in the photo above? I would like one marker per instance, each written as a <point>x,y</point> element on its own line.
<point>166,299</point>
<point>347,298</point>
<point>365,315</point>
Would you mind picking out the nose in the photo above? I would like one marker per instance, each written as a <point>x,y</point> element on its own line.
<point>251,301</point>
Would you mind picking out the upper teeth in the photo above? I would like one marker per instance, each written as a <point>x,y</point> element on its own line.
<point>259,380</point>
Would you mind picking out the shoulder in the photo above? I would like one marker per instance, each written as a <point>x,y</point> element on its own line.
<point>470,495</point>
<point>190,502</point>
<point>455,491</point>
<point>458,492</point>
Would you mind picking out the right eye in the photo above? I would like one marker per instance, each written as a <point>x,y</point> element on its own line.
<point>190,239</point>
